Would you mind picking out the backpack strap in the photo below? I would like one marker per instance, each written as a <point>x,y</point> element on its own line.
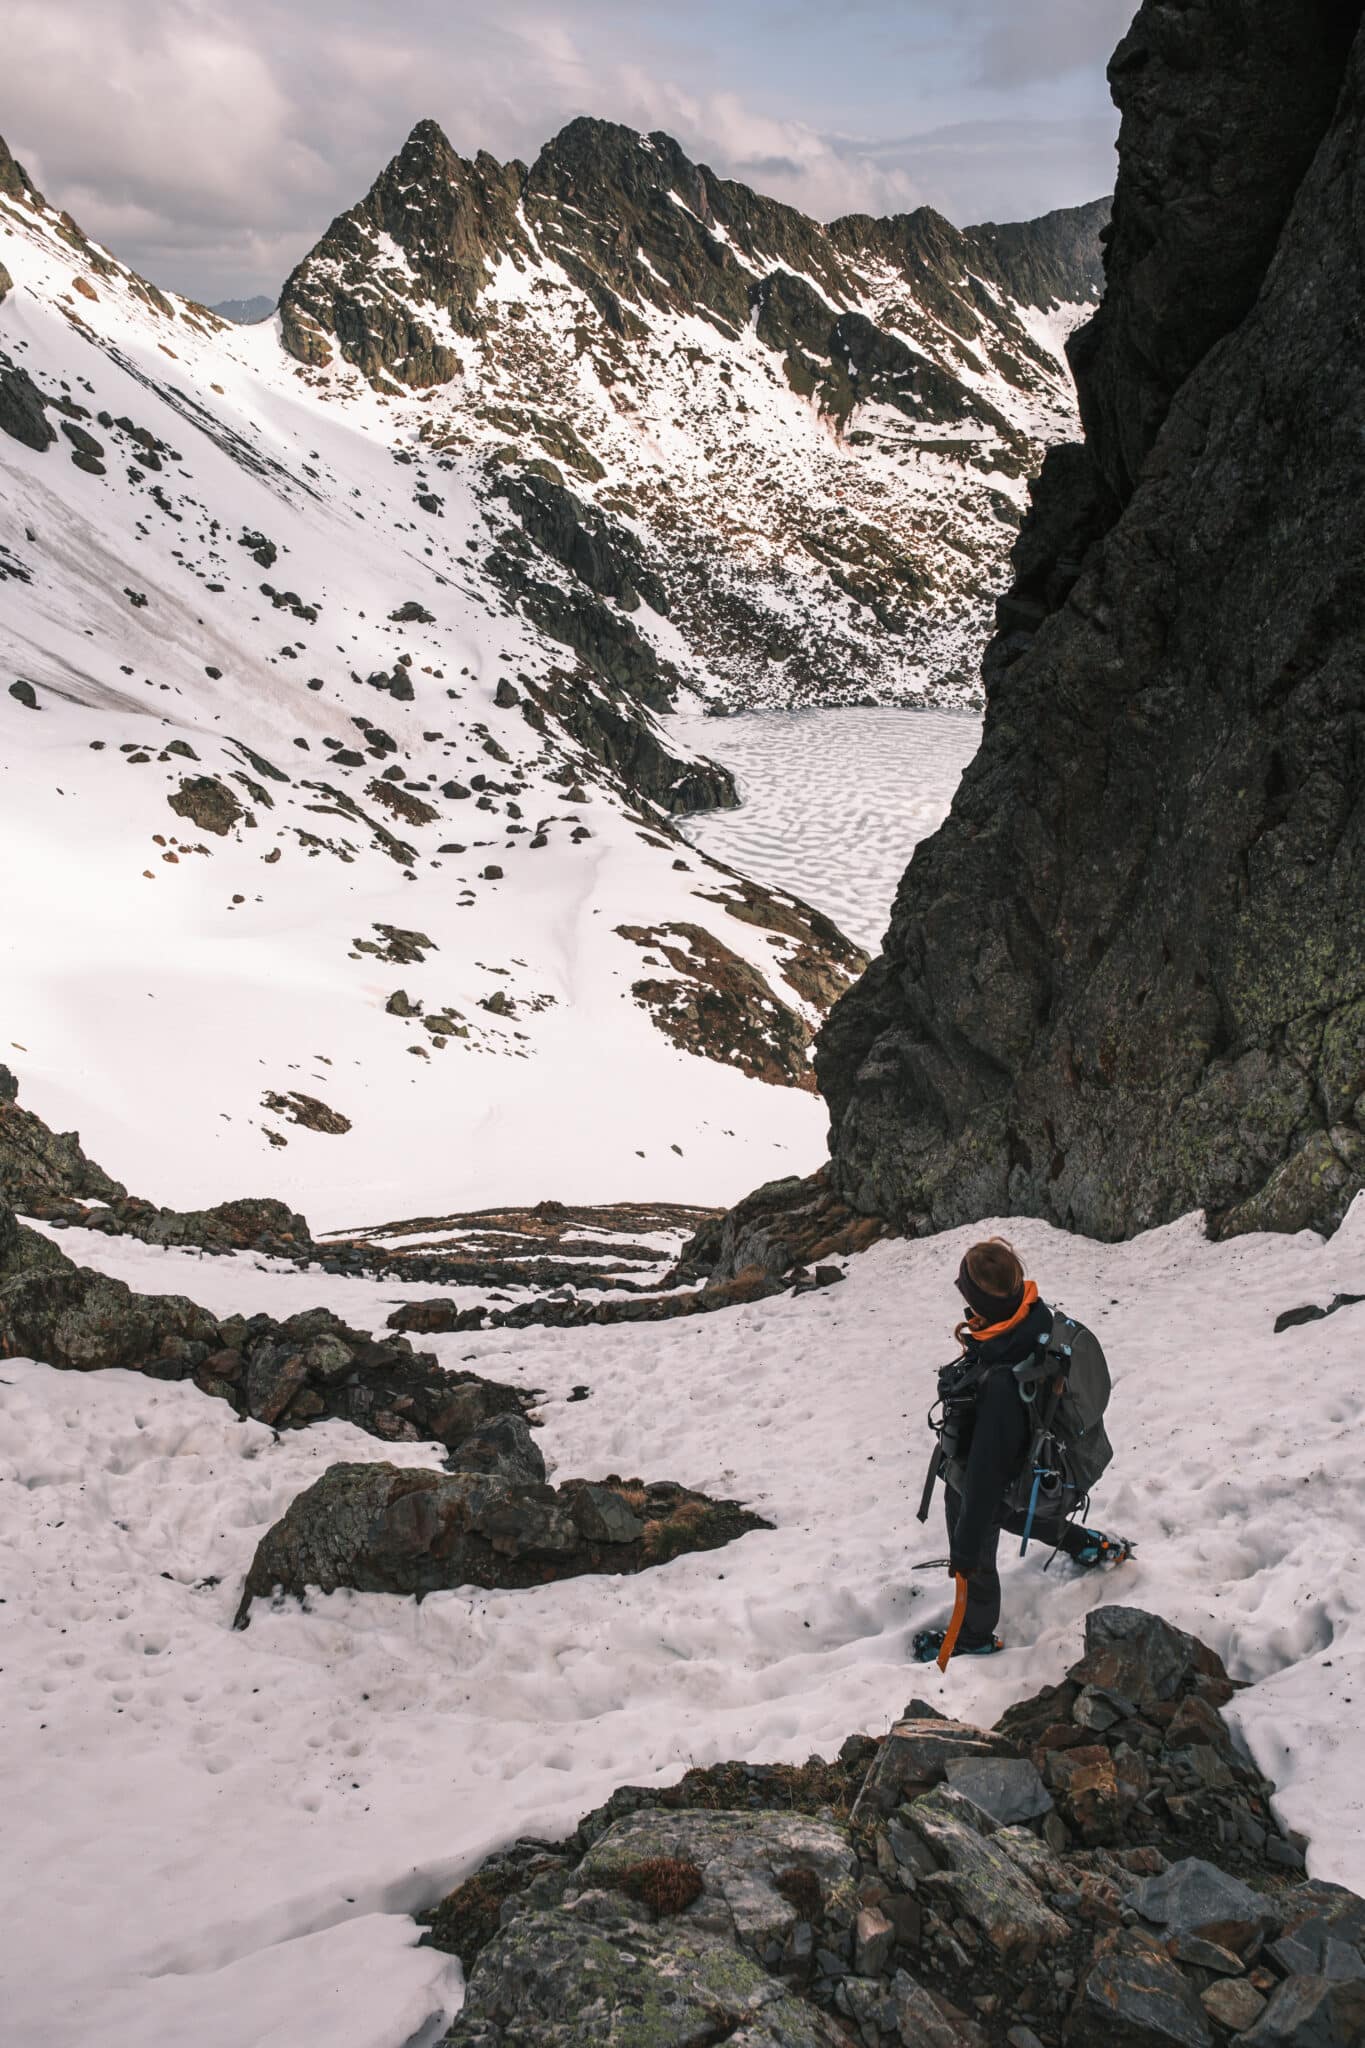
<point>1040,1382</point>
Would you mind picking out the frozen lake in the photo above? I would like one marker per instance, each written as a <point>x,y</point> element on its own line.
<point>833,801</point>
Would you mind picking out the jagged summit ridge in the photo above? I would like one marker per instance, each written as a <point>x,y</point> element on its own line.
<point>633,195</point>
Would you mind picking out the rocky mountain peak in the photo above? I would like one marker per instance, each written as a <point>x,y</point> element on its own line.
<point>673,348</point>
<point>411,258</point>
<point>591,161</point>
<point>15,182</point>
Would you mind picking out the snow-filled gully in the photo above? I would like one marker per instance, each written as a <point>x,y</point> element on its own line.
<point>224,1835</point>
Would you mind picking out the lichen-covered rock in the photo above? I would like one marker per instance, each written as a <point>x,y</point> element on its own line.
<point>68,1316</point>
<point>980,1877</point>
<point>1126,979</point>
<point>747,1862</point>
<point>381,1529</point>
<point>37,1164</point>
<point>208,803</point>
<point>934,1926</point>
<point>598,1973</point>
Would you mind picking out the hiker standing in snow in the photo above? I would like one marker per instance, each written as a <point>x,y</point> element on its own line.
<point>1021,1441</point>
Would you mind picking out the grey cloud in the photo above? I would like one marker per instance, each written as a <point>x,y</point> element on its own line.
<point>210,143</point>
<point>956,168</point>
<point>1047,39</point>
<point>746,169</point>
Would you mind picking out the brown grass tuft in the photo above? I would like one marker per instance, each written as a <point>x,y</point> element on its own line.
<point>801,1888</point>
<point>666,1884</point>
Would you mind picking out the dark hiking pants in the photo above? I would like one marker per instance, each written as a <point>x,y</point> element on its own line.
<point>983,1587</point>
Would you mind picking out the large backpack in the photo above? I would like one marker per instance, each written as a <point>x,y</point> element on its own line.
<point>1066,1388</point>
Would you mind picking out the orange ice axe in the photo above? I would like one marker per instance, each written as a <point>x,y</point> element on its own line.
<point>954,1629</point>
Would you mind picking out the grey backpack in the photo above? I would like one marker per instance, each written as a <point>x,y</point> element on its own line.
<point>1066,1388</point>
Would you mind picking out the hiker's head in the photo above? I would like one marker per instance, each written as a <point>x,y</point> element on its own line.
<point>991,1282</point>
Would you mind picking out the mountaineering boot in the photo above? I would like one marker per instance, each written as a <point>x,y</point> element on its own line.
<point>926,1645</point>
<point>1101,1550</point>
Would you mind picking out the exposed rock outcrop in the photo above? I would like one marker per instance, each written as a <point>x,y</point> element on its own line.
<point>381,1529</point>
<point>605,718</point>
<point>287,1374</point>
<point>1100,1870</point>
<point>21,406</point>
<point>37,1164</point>
<point>1127,977</point>
<point>46,1174</point>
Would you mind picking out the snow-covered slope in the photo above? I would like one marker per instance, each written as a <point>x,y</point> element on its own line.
<point>217,1837</point>
<point>384,846</point>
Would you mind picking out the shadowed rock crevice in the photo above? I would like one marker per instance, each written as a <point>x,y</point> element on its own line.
<point>1126,979</point>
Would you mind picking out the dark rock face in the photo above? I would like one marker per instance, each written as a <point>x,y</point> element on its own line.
<point>952,1903</point>
<point>606,721</point>
<point>580,538</point>
<point>349,293</point>
<point>379,1529</point>
<point>1223,109</point>
<point>21,408</point>
<point>1127,977</point>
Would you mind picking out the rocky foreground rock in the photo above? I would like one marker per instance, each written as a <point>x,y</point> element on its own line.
<point>1101,1870</point>
<point>1126,979</point>
<point>285,1373</point>
<point>488,1520</point>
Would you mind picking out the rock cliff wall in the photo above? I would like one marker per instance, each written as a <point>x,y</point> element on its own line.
<point>1127,977</point>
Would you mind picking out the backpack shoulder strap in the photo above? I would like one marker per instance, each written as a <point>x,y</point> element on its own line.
<point>1062,1336</point>
<point>1040,1379</point>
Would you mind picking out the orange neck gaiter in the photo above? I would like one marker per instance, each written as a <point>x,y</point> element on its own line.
<point>981,1332</point>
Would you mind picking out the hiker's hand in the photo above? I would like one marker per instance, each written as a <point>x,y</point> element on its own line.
<point>960,1571</point>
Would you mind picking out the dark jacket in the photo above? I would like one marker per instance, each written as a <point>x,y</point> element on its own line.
<point>999,1438</point>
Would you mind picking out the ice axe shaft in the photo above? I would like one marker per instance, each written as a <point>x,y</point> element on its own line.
<point>930,1481</point>
<point>954,1629</point>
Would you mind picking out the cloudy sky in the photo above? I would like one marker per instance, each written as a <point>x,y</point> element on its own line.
<point>209,143</point>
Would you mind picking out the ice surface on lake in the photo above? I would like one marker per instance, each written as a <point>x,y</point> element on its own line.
<point>833,801</point>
